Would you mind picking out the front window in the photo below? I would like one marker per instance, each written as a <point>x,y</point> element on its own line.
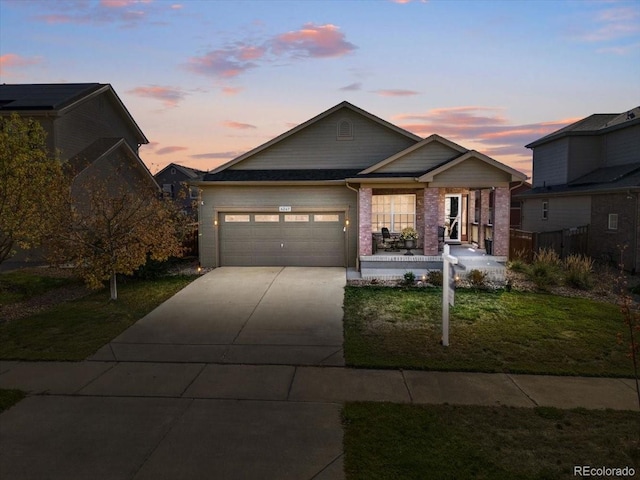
<point>393,211</point>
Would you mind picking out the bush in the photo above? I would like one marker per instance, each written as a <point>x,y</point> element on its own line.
<point>546,269</point>
<point>435,278</point>
<point>518,265</point>
<point>477,278</point>
<point>579,272</point>
<point>409,278</point>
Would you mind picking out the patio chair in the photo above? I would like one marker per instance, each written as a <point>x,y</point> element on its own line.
<point>390,243</point>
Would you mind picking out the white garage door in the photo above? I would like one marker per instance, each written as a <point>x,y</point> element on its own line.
<point>287,239</point>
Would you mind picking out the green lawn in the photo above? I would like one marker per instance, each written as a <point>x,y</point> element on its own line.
<point>490,332</point>
<point>74,330</point>
<point>392,441</point>
<point>18,286</point>
<point>9,398</point>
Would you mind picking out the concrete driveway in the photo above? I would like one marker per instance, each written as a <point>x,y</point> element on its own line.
<point>253,315</point>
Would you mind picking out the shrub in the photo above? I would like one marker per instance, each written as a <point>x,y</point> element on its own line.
<point>435,278</point>
<point>547,256</point>
<point>579,271</point>
<point>477,278</point>
<point>546,268</point>
<point>518,265</point>
<point>409,278</point>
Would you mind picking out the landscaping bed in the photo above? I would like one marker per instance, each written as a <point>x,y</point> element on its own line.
<point>392,441</point>
<point>490,331</point>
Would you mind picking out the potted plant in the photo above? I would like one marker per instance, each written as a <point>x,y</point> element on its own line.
<point>409,235</point>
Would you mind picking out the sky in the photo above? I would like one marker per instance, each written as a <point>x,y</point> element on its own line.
<point>207,80</point>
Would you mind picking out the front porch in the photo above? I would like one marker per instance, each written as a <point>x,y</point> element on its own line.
<point>384,265</point>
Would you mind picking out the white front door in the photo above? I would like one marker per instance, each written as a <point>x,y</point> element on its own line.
<point>452,217</point>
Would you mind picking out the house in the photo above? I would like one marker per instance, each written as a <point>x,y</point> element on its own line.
<point>88,128</point>
<point>517,188</point>
<point>174,180</point>
<point>588,173</point>
<point>319,194</point>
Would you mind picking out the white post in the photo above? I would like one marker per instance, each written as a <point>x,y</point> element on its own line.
<point>447,291</point>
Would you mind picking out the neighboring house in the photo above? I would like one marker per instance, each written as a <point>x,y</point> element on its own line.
<point>588,173</point>
<point>174,180</point>
<point>316,195</point>
<point>88,128</point>
<point>517,188</point>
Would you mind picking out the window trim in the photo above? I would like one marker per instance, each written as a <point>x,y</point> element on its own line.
<point>392,212</point>
<point>613,225</point>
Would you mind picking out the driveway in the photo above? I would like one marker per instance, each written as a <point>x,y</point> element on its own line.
<point>253,315</point>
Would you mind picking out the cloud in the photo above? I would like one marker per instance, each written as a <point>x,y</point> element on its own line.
<point>612,24</point>
<point>311,41</point>
<point>231,90</point>
<point>396,93</point>
<point>218,155</point>
<point>620,49</point>
<point>171,149</point>
<point>10,61</point>
<point>170,96</point>
<point>238,125</point>
<point>351,87</point>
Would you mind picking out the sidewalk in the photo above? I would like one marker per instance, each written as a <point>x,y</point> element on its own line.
<point>314,384</point>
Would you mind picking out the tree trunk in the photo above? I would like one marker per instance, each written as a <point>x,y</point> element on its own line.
<point>114,288</point>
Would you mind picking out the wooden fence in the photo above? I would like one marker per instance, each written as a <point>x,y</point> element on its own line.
<point>565,242</point>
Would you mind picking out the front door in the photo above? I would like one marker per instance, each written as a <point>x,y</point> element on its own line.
<point>452,218</point>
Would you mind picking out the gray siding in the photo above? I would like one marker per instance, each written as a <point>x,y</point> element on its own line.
<point>317,146</point>
<point>88,121</point>
<point>564,212</point>
<point>550,163</point>
<point>422,159</point>
<point>622,146</point>
<point>472,173</point>
<point>300,198</point>
<point>585,155</point>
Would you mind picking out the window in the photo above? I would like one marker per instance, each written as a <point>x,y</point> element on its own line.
<point>332,217</point>
<point>613,221</point>
<point>167,190</point>
<point>267,218</point>
<point>345,130</point>
<point>236,218</point>
<point>296,218</point>
<point>193,192</point>
<point>393,211</point>
<point>545,210</point>
<point>173,171</point>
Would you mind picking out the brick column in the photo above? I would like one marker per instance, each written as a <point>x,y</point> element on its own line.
<point>484,216</point>
<point>502,207</point>
<point>432,219</point>
<point>364,221</point>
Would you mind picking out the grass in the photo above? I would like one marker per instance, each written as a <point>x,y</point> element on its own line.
<point>8,398</point>
<point>18,286</point>
<point>489,332</point>
<point>74,330</point>
<point>394,441</point>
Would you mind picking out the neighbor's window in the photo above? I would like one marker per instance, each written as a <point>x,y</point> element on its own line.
<point>613,221</point>
<point>267,218</point>
<point>393,211</point>
<point>236,218</point>
<point>327,217</point>
<point>545,210</point>
<point>193,192</point>
<point>167,190</point>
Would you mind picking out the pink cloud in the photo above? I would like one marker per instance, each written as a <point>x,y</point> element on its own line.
<point>396,93</point>
<point>313,41</point>
<point>12,60</point>
<point>170,96</point>
<point>225,63</point>
<point>612,24</point>
<point>231,90</point>
<point>172,149</point>
<point>238,125</point>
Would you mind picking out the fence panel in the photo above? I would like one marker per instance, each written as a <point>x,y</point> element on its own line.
<point>565,242</point>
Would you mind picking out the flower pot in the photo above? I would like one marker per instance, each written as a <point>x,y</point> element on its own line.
<point>409,243</point>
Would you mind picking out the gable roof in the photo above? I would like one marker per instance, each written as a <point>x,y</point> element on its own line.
<point>312,121</point>
<point>515,174</point>
<point>186,171</point>
<point>595,124</point>
<point>412,148</point>
<point>59,97</point>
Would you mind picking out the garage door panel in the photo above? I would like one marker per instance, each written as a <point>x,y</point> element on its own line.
<point>299,241</point>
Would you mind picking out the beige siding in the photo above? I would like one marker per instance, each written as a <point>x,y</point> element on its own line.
<point>269,198</point>
<point>93,119</point>
<point>564,212</point>
<point>585,156</point>
<point>471,173</point>
<point>550,163</point>
<point>317,146</point>
<point>422,159</point>
<point>622,146</point>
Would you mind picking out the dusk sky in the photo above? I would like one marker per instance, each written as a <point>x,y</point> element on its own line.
<point>207,80</point>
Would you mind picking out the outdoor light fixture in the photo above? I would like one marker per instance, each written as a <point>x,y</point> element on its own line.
<point>215,223</point>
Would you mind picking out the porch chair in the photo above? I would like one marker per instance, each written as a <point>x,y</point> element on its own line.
<point>388,241</point>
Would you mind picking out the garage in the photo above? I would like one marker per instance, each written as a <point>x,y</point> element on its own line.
<point>308,239</point>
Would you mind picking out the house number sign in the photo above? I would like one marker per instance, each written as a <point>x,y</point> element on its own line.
<point>286,208</point>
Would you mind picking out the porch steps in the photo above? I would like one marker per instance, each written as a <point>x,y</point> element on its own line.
<point>394,267</point>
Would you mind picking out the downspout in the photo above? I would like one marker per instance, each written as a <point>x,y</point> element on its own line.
<point>357,213</point>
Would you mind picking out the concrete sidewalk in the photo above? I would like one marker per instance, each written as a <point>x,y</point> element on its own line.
<point>137,420</point>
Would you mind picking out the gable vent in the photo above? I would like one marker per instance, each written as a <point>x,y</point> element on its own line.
<point>345,130</point>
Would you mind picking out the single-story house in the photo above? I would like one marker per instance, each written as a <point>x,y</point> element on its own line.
<point>318,194</point>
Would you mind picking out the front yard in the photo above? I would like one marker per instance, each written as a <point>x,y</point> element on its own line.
<point>518,332</point>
